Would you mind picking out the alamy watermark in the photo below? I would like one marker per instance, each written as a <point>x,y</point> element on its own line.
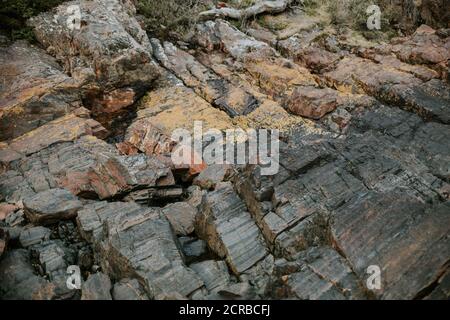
<point>374,20</point>
<point>374,280</point>
<point>233,146</point>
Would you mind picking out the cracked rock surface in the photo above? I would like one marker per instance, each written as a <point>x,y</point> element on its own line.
<point>87,178</point>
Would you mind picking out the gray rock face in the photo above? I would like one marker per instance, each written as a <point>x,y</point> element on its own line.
<point>213,273</point>
<point>227,227</point>
<point>316,274</point>
<point>374,230</point>
<point>138,242</point>
<point>18,280</point>
<point>34,90</point>
<point>97,287</point>
<point>51,206</point>
<point>211,176</point>
<point>128,289</point>
<point>181,217</point>
<point>34,235</point>
<point>109,52</point>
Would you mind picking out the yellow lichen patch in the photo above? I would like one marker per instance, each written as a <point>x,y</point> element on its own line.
<point>279,76</point>
<point>178,107</point>
<point>270,115</point>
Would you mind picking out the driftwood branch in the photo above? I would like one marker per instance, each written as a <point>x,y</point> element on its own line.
<point>276,6</point>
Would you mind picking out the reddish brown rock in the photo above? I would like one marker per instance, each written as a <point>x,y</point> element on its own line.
<point>88,167</point>
<point>317,59</point>
<point>6,209</point>
<point>312,102</point>
<point>65,129</point>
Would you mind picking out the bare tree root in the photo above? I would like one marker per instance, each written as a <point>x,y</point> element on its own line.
<point>276,6</point>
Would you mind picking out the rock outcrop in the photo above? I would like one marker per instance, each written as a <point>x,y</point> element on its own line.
<point>107,51</point>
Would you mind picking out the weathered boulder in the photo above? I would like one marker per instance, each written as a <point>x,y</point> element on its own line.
<point>108,51</point>
<point>224,223</point>
<point>211,176</point>
<point>137,242</point>
<point>51,206</point>
<point>34,90</point>
<point>312,102</point>
<point>96,287</point>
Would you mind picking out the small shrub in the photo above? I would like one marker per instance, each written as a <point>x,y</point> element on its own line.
<point>163,17</point>
<point>14,13</point>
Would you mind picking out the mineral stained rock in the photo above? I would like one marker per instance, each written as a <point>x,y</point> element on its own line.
<point>88,166</point>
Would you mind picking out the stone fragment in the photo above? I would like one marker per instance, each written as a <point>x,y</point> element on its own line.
<point>51,206</point>
<point>181,217</point>
<point>311,102</point>
<point>211,176</point>
<point>227,227</point>
<point>96,287</point>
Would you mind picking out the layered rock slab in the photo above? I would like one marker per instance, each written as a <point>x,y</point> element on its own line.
<point>224,223</point>
<point>86,167</point>
<point>136,242</point>
<point>34,90</point>
<point>406,238</point>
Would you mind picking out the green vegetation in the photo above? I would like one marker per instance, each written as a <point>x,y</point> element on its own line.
<point>14,13</point>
